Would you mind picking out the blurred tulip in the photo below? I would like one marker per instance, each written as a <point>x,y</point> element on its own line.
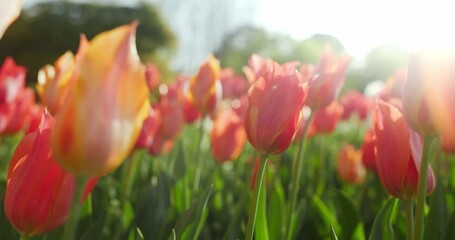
<point>329,79</point>
<point>149,129</point>
<point>38,191</point>
<point>325,119</point>
<point>437,72</point>
<point>100,122</point>
<point>12,81</point>
<point>36,113</point>
<point>232,84</point>
<point>21,114</point>
<point>398,152</point>
<point>171,112</point>
<point>368,156</point>
<point>416,95</point>
<point>394,86</point>
<point>9,11</point>
<point>256,67</point>
<point>54,82</point>
<point>227,137</point>
<point>152,76</point>
<point>190,113</point>
<point>349,165</point>
<point>274,109</point>
<point>205,88</point>
<point>354,102</point>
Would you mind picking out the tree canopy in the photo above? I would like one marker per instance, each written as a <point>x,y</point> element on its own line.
<point>45,31</point>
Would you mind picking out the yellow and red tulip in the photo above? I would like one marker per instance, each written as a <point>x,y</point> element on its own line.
<point>349,165</point>
<point>108,101</point>
<point>54,82</point>
<point>204,90</point>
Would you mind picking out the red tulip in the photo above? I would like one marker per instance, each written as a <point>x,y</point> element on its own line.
<point>149,129</point>
<point>274,109</point>
<point>12,81</point>
<point>329,79</point>
<point>152,76</point>
<point>354,102</point>
<point>368,156</point>
<point>21,114</point>
<point>232,84</point>
<point>349,165</point>
<point>38,191</point>
<point>228,136</point>
<point>325,119</point>
<point>398,152</point>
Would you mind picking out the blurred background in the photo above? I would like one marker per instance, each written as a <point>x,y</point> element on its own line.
<point>179,34</point>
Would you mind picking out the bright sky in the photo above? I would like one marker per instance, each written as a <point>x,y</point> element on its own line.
<point>363,24</point>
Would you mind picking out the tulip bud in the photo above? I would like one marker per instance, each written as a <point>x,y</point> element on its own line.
<point>354,102</point>
<point>349,165</point>
<point>228,136</point>
<point>329,79</point>
<point>38,191</point>
<point>398,152</point>
<point>205,87</point>
<point>368,156</point>
<point>108,101</point>
<point>325,119</point>
<point>274,109</point>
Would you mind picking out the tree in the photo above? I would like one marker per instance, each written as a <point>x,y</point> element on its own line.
<point>45,31</point>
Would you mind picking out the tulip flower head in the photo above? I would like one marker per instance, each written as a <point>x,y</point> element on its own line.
<point>329,79</point>
<point>349,165</point>
<point>228,136</point>
<point>100,122</point>
<point>54,82</point>
<point>205,87</point>
<point>325,119</point>
<point>354,103</point>
<point>398,152</point>
<point>368,156</point>
<point>38,191</point>
<point>275,101</point>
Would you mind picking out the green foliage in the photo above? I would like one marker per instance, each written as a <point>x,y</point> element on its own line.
<point>45,31</point>
<point>238,46</point>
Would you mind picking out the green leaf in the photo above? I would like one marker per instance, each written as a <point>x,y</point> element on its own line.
<point>333,235</point>
<point>193,219</point>
<point>327,216</point>
<point>348,217</point>
<point>382,226</point>
<point>450,230</point>
<point>277,211</point>
<point>95,230</point>
<point>434,223</point>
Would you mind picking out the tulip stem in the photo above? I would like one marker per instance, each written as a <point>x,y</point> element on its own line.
<point>255,201</point>
<point>408,205</point>
<point>129,175</point>
<point>72,221</point>
<point>422,189</point>
<point>294,186</point>
<point>197,174</point>
<point>23,237</point>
